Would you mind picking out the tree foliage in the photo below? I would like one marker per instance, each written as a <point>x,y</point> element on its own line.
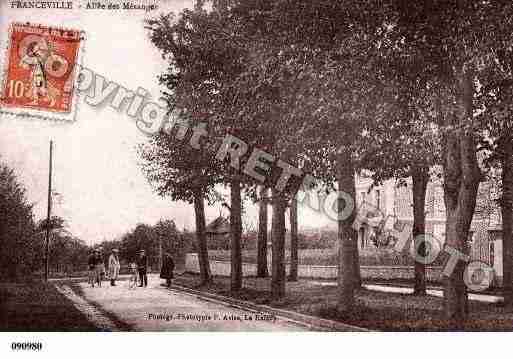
<point>20,249</point>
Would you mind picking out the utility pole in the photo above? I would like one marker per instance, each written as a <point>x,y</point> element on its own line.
<point>47,240</point>
<point>160,253</point>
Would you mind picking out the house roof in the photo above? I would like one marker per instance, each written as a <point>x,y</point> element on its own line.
<point>220,225</point>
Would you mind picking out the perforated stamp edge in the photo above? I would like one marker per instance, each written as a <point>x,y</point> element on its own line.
<point>32,113</point>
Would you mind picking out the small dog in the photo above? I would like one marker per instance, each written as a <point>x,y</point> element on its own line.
<point>134,277</point>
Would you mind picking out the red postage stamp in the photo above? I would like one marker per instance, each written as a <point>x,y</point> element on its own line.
<point>41,69</point>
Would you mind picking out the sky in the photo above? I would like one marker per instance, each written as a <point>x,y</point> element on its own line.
<point>102,190</point>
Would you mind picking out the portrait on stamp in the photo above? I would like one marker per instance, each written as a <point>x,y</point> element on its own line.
<point>40,68</point>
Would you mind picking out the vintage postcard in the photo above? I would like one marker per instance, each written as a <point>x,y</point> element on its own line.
<point>269,166</point>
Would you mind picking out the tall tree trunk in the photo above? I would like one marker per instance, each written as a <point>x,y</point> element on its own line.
<point>506,150</point>
<point>461,182</point>
<point>236,232</point>
<point>201,237</point>
<point>294,259</point>
<point>278,242</point>
<point>356,266</point>
<point>262,271</point>
<point>420,180</point>
<point>347,236</point>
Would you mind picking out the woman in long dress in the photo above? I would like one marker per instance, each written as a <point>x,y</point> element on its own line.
<point>114,267</point>
<point>168,266</point>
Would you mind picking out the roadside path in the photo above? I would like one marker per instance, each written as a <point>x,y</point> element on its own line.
<point>156,308</point>
<point>433,291</point>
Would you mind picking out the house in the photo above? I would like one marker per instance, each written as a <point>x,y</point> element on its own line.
<point>218,233</point>
<point>392,199</point>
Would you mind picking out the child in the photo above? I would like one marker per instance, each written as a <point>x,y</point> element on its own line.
<point>132,282</point>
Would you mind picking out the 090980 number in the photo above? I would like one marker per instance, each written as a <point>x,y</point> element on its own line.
<point>33,346</point>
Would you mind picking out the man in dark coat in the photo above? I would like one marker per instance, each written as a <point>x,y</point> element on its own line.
<point>142,267</point>
<point>168,266</point>
<point>93,262</point>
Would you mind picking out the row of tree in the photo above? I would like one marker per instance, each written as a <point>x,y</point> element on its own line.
<point>17,228</point>
<point>154,240</point>
<point>335,87</point>
<point>22,238</point>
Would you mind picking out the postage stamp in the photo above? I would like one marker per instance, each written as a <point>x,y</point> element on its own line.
<point>40,71</point>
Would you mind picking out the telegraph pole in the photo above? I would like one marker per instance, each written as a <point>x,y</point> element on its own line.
<point>160,253</point>
<point>47,239</point>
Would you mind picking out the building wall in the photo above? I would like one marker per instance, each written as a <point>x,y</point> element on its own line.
<point>397,201</point>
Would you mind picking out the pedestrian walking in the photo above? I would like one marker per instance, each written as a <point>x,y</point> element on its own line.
<point>95,268</point>
<point>168,266</point>
<point>92,261</point>
<point>101,265</point>
<point>114,266</point>
<point>142,267</point>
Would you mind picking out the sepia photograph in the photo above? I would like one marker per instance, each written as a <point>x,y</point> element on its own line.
<point>255,166</point>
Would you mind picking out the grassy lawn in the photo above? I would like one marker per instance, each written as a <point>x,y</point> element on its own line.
<point>37,306</point>
<point>375,310</point>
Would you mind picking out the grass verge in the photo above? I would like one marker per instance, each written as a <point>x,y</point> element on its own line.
<point>37,306</point>
<point>374,310</point>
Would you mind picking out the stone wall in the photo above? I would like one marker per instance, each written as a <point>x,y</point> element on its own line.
<point>222,268</point>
